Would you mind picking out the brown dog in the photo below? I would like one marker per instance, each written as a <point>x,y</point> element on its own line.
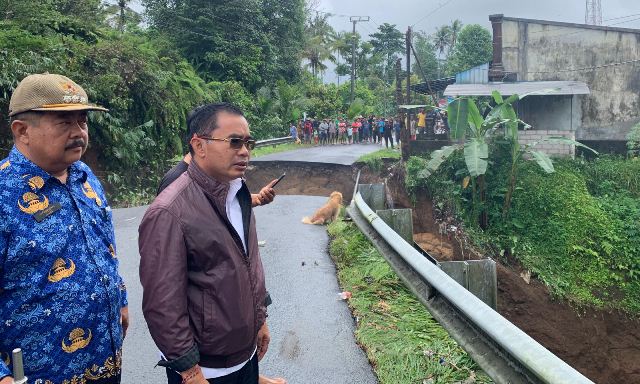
<point>328,212</point>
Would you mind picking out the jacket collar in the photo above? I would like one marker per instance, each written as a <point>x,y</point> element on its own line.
<point>211,186</point>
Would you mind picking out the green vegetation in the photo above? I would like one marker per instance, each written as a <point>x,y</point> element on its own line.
<point>403,342</point>
<point>262,151</point>
<point>375,160</point>
<point>633,141</point>
<point>253,53</point>
<point>576,229</point>
<point>574,225</point>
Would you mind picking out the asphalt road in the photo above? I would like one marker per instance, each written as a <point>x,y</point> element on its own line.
<point>334,154</point>
<point>311,329</point>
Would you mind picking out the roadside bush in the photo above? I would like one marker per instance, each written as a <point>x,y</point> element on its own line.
<point>609,175</point>
<point>577,230</point>
<point>633,141</point>
<point>571,240</point>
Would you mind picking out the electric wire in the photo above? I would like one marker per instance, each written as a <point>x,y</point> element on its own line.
<point>442,5</point>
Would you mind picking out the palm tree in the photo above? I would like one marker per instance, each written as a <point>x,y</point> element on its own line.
<point>118,14</point>
<point>316,52</point>
<point>318,48</point>
<point>442,39</point>
<point>454,30</point>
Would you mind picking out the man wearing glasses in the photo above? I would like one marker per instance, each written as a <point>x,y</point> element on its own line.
<point>202,277</point>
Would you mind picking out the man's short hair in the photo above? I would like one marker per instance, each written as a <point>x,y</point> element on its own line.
<point>203,120</point>
<point>30,116</point>
<point>33,117</point>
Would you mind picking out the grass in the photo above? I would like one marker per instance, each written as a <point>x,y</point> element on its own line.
<point>401,339</point>
<point>380,154</point>
<point>262,151</point>
<point>375,159</point>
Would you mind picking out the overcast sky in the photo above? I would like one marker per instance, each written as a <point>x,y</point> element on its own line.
<point>427,15</point>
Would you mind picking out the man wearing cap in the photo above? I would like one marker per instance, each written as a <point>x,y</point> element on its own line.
<point>61,298</point>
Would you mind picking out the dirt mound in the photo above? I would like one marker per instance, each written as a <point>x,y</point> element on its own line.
<point>436,245</point>
<point>603,346</point>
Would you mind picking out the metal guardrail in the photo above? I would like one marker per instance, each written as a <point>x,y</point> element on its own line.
<point>276,141</point>
<point>502,350</point>
<point>18,368</point>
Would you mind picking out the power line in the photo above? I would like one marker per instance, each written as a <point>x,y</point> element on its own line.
<point>432,12</point>
<point>625,21</point>
<point>622,17</point>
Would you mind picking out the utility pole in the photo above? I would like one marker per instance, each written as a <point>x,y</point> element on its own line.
<point>354,20</point>
<point>404,130</point>
<point>593,13</point>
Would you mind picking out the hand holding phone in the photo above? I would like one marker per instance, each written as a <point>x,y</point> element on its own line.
<point>279,179</point>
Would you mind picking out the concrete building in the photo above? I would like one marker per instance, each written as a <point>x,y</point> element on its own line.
<point>606,59</point>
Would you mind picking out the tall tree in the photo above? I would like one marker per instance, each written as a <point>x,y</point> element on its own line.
<point>318,42</point>
<point>426,52</point>
<point>78,19</point>
<point>120,16</point>
<point>474,47</point>
<point>388,42</point>
<point>442,39</point>
<point>285,27</point>
<point>341,45</point>
<point>223,40</point>
<point>454,31</point>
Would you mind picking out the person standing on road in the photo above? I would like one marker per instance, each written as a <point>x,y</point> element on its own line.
<point>308,130</point>
<point>324,128</point>
<point>388,135</point>
<point>422,121</point>
<point>356,127</point>
<point>342,131</point>
<point>62,300</point>
<point>293,132</point>
<point>266,196</point>
<point>200,268</point>
<point>332,131</point>
<point>381,125</point>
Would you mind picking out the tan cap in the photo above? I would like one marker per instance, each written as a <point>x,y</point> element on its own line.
<point>49,92</point>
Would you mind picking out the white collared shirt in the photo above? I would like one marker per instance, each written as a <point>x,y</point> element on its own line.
<point>234,213</point>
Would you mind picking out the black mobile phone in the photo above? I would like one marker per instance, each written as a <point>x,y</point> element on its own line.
<point>279,178</point>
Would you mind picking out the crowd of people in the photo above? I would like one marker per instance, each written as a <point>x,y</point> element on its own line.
<point>372,129</point>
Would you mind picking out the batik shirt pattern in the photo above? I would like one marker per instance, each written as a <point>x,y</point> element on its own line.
<point>60,292</point>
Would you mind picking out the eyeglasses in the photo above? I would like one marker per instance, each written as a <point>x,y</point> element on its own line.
<point>234,142</point>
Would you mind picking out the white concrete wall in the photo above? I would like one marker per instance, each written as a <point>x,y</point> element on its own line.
<point>537,51</point>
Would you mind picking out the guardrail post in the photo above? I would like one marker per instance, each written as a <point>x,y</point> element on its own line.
<point>18,367</point>
<point>373,195</point>
<point>477,276</point>
<point>400,220</point>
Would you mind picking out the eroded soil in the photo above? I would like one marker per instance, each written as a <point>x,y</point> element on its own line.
<point>604,346</point>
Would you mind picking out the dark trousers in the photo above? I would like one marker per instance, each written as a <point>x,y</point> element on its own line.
<point>387,139</point>
<point>247,375</point>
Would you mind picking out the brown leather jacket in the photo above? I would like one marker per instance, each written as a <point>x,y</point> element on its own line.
<point>203,295</point>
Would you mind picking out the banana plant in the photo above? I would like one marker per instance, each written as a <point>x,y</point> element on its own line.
<point>475,133</point>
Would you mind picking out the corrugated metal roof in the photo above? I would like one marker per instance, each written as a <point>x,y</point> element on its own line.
<point>520,88</point>
<point>437,85</point>
<point>475,75</point>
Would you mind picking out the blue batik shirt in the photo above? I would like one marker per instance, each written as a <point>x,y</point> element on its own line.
<point>60,292</point>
